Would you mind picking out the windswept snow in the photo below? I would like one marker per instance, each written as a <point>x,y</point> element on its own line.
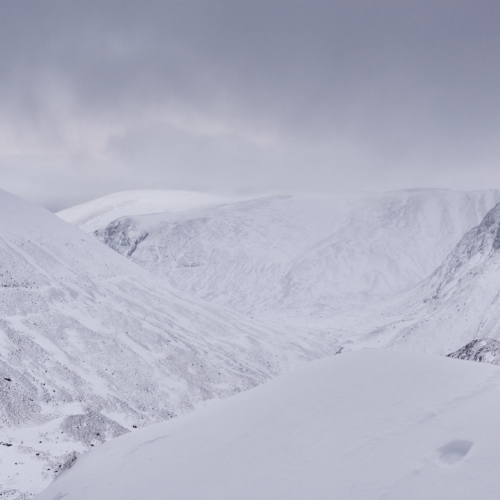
<point>360,426</point>
<point>100,212</point>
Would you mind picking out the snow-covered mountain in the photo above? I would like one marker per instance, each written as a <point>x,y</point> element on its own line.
<point>359,426</point>
<point>99,213</point>
<point>303,257</point>
<point>92,345</point>
<point>458,303</point>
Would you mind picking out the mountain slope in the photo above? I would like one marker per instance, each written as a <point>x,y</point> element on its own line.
<point>92,345</point>
<point>302,257</point>
<point>458,303</point>
<point>100,212</point>
<point>359,426</point>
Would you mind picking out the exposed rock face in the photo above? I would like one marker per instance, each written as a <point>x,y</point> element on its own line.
<point>122,235</point>
<point>91,428</point>
<point>481,350</point>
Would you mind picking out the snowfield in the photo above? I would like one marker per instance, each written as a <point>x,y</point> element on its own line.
<point>188,298</point>
<point>361,426</point>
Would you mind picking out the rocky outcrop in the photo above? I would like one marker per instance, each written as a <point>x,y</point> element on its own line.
<point>481,350</point>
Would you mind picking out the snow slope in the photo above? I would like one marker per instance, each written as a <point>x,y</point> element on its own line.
<point>100,212</point>
<point>92,345</point>
<point>361,426</point>
<point>458,303</point>
<point>304,257</point>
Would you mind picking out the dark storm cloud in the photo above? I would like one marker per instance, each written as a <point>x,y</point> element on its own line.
<point>402,84</point>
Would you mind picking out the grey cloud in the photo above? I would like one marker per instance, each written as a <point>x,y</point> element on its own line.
<point>402,83</point>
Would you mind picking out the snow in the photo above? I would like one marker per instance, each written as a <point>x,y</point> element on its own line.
<point>301,258</point>
<point>363,426</point>
<point>213,297</point>
<point>100,212</point>
<point>89,339</point>
<point>457,304</point>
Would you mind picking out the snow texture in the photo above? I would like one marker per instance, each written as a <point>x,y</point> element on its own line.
<point>459,303</point>
<point>301,258</point>
<point>359,426</point>
<point>92,345</point>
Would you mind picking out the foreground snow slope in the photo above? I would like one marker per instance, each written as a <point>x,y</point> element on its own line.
<point>360,426</point>
<point>92,345</point>
<point>301,256</point>
<point>100,212</point>
<point>458,303</point>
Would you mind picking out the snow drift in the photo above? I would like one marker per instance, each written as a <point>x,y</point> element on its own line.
<point>359,426</point>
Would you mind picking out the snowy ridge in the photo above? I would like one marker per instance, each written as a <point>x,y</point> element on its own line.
<point>92,345</point>
<point>359,426</point>
<point>301,257</point>
<point>100,212</point>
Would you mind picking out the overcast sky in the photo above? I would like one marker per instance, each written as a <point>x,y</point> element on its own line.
<point>242,97</point>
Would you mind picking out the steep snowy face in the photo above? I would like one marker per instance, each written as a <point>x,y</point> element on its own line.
<point>459,303</point>
<point>359,426</point>
<point>92,345</point>
<point>473,249</point>
<point>301,256</point>
<point>100,212</point>
<point>483,351</point>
